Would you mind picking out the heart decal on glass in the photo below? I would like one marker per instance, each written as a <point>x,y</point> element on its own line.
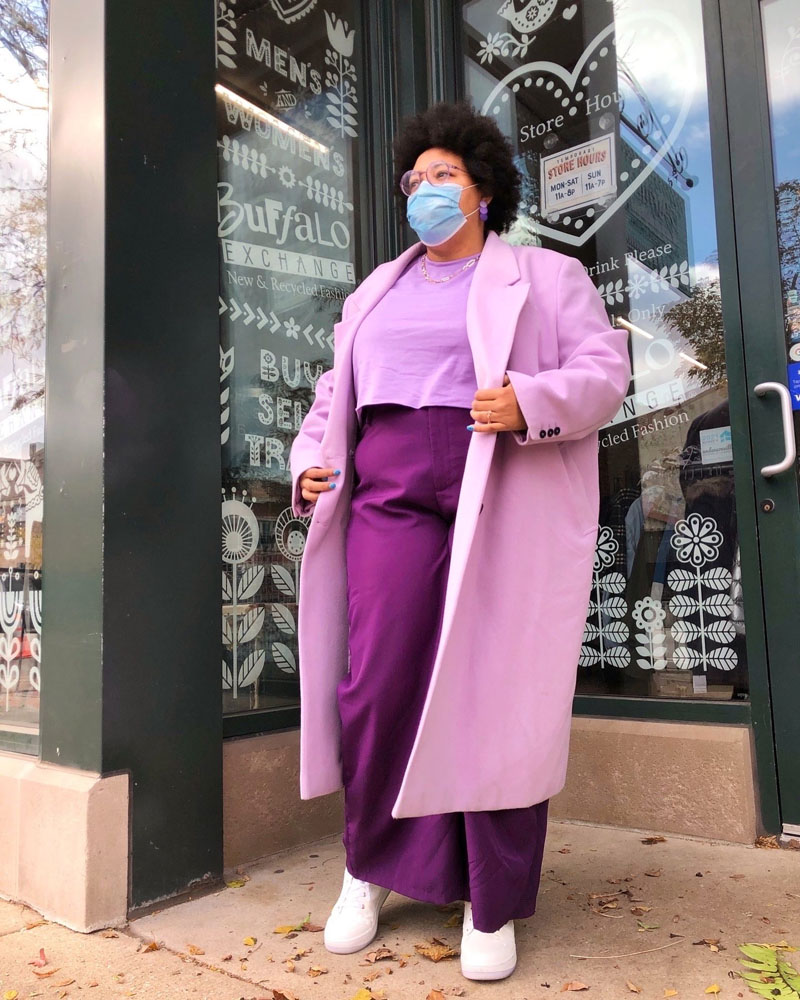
<point>292,10</point>
<point>668,65</point>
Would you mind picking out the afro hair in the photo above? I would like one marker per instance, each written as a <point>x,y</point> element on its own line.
<point>486,152</point>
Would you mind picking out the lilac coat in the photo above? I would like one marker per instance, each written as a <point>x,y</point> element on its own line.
<point>495,726</point>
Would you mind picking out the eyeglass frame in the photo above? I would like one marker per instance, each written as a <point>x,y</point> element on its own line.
<point>424,174</point>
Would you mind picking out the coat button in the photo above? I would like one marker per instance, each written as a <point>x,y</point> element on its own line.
<point>557,430</point>
<point>549,432</point>
<point>542,434</point>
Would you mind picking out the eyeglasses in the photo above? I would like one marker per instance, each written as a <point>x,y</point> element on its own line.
<point>438,172</point>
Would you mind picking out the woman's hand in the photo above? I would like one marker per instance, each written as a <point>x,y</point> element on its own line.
<point>497,410</point>
<point>315,481</point>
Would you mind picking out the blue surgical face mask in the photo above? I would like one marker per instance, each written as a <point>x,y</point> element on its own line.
<point>434,212</point>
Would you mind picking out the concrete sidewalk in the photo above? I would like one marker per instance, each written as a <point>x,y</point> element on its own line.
<point>653,917</point>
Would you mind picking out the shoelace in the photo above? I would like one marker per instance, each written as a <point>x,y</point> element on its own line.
<point>353,894</point>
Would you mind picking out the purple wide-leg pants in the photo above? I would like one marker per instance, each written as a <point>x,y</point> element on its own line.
<point>408,469</point>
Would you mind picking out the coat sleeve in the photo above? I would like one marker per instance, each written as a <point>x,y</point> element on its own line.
<point>305,452</point>
<point>593,373</point>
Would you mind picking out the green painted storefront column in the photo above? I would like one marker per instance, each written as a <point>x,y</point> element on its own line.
<point>132,476</point>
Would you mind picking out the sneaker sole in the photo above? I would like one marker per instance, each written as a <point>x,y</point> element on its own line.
<point>487,973</point>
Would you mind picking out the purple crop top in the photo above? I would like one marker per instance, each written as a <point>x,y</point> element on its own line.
<point>412,348</point>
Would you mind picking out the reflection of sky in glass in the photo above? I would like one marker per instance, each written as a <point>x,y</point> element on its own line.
<point>781,21</point>
<point>671,70</point>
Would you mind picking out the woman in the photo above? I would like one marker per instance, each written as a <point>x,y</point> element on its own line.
<point>449,462</point>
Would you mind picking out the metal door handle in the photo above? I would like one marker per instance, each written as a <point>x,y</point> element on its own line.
<point>788,427</point>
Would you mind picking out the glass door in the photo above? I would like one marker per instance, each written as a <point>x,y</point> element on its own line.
<point>608,107</point>
<point>780,28</point>
<point>641,128</point>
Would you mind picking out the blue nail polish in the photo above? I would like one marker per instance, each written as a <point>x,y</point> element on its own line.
<point>333,486</point>
<point>470,427</point>
<point>337,472</point>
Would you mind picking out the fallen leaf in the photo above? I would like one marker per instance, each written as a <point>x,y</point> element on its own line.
<point>362,994</point>
<point>249,941</point>
<point>303,925</point>
<point>151,946</point>
<point>654,840</point>
<point>288,965</point>
<point>10,995</point>
<point>194,950</point>
<point>737,876</point>
<point>565,850</point>
<point>39,962</point>
<point>574,985</point>
<point>654,872</point>
<point>109,933</point>
<point>66,982</point>
<point>283,995</point>
<point>236,883</point>
<point>454,921</point>
<point>30,924</point>
<point>670,993</point>
<point>43,975</point>
<point>226,958</point>
<point>380,954</point>
<point>639,911</point>
<point>632,986</point>
<point>316,970</point>
<point>771,843</point>
<point>713,943</point>
<point>435,995</point>
<point>436,950</point>
<point>712,989</point>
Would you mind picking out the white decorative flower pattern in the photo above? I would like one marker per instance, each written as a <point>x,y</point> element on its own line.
<point>649,614</point>
<point>603,624</point>
<point>699,612</point>
<point>697,540</point>
<point>341,79</point>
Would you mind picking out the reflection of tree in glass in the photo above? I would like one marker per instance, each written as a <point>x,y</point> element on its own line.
<point>787,202</point>
<point>23,129</point>
<point>699,320</point>
<point>23,33</point>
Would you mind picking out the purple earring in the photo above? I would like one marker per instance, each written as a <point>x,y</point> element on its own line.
<point>483,210</point>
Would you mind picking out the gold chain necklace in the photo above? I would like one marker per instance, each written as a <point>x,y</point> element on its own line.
<point>439,281</point>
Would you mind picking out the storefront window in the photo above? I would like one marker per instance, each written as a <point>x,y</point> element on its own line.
<point>23,221</point>
<point>290,115</point>
<point>607,106</point>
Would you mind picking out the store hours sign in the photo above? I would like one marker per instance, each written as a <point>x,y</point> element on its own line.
<point>582,175</point>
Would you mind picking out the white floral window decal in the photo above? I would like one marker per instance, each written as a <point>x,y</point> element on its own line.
<point>704,595</point>
<point>605,634</point>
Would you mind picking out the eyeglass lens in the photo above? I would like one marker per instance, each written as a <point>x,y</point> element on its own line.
<point>437,173</point>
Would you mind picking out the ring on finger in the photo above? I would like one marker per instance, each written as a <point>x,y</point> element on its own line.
<point>488,416</point>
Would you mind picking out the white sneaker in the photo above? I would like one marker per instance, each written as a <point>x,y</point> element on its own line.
<point>487,956</point>
<point>353,922</point>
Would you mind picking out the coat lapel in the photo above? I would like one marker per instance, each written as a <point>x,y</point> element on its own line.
<point>496,297</point>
